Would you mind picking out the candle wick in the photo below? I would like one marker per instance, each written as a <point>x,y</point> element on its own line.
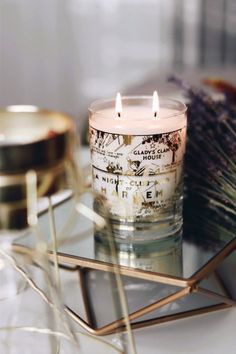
<point>118,104</point>
<point>155,104</point>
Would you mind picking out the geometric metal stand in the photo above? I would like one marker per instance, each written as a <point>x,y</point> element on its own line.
<point>187,287</point>
<point>81,259</point>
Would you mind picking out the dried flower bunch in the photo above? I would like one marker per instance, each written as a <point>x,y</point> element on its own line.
<point>210,205</point>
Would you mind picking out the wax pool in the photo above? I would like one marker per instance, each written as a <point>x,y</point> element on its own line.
<point>138,121</point>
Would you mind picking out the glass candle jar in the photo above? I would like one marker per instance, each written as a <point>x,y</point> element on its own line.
<point>137,163</point>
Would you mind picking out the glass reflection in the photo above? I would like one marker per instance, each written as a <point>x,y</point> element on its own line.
<point>180,256</point>
<point>161,256</point>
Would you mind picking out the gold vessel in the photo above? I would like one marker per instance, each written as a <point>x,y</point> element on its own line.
<point>31,139</point>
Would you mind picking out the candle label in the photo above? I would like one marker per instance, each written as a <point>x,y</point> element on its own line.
<point>139,174</point>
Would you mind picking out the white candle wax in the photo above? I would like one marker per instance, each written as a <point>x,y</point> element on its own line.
<point>138,120</point>
<point>137,157</point>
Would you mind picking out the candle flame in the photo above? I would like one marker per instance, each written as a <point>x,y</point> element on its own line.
<point>155,103</point>
<point>118,104</point>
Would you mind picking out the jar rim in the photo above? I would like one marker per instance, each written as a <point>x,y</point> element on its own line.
<point>98,106</point>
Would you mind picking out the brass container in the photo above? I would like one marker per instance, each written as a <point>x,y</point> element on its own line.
<point>31,139</point>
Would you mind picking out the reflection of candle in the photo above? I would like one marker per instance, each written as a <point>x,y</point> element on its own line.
<point>162,256</point>
<point>137,155</point>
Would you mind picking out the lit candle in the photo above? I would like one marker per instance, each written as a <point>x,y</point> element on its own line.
<point>137,149</point>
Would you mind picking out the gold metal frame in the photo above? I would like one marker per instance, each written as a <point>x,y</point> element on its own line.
<point>187,287</point>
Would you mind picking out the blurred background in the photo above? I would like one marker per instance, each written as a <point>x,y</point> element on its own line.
<point>63,54</point>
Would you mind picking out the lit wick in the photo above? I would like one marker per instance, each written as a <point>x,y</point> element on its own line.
<point>118,104</point>
<point>155,104</point>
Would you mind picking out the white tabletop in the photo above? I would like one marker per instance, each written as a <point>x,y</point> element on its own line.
<point>205,334</point>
